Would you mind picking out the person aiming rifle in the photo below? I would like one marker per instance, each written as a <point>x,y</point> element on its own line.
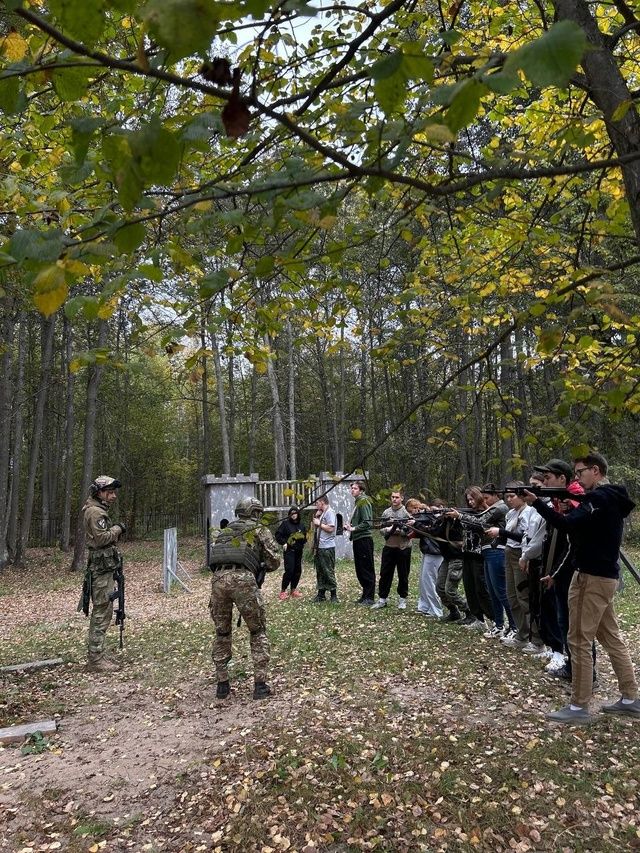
<point>235,563</point>
<point>103,566</point>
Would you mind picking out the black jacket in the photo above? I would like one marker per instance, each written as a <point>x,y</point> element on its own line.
<point>292,535</point>
<point>595,528</point>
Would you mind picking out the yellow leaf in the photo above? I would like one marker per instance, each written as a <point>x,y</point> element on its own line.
<point>14,47</point>
<point>94,848</point>
<point>203,205</point>
<point>74,267</point>
<point>108,308</point>
<point>357,434</point>
<point>327,221</point>
<point>50,289</point>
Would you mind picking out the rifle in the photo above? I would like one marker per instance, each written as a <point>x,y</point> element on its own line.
<point>559,492</point>
<point>85,595</point>
<point>260,577</point>
<point>118,595</point>
<point>629,566</point>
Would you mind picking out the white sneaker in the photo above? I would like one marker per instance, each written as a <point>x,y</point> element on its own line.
<point>475,626</point>
<point>493,633</point>
<point>557,661</point>
<point>532,649</point>
<point>402,603</point>
<point>380,603</point>
<point>513,642</point>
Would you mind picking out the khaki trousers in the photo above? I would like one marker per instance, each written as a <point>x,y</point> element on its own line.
<point>591,616</point>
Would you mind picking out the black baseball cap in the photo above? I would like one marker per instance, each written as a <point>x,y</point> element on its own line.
<point>556,466</point>
<point>489,489</point>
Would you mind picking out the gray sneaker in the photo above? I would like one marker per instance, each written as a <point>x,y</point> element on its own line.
<point>568,715</point>
<point>628,709</point>
<point>380,603</point>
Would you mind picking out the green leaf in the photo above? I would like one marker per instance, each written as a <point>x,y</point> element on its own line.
<point>415,64</point>
<point>12,98</point>
<point>36,245</point>
<point>70,84</point>
<point>128,238</point>
<point>387,66</point>
<point>82,19</point>
<point>391,93</point>
<point>157,152</point>
<point>184,27</point>
<point>82,130</point>
<point>464,105</point>
<point>265,265</point>
<point>213,283</point>
<point>553,58</point>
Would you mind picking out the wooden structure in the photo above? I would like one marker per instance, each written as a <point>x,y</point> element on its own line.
<point>221,494</point>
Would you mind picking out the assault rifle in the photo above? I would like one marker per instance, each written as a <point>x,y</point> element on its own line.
<point>118,595</point>
<point>559,492</point>
<point>626,562</point>
<point>260,577</point>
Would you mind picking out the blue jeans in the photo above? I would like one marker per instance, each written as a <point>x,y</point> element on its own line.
<point>497,586</point>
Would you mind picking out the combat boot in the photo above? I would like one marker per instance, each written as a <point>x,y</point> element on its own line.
<point>101,665</point>
<point>261,690</point>
<point>222,690</point>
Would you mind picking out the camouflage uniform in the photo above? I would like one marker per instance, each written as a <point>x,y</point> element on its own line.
<point>235,583</point>
<point>104,559</point>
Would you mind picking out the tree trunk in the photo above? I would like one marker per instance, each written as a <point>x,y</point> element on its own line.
<point>5,429</point>
<point>279,452</point>
<point>293,465</point>
<point>93,384</point>
<point>65,531</point>
<point>206,423</point>
<point>608,90</point>
<point>48,330</point>
<point>231,397</point>
<point>222,408</point>
<point>18,420</point>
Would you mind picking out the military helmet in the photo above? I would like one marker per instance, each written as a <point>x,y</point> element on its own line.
<point>249,508</point>
<point>104,482</point>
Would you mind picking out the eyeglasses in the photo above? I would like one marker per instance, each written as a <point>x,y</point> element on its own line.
<point>578,471</point>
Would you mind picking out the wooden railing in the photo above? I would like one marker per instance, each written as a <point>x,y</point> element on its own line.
<point>281,494</point>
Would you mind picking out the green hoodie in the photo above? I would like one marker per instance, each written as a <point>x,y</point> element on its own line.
<point>362,518</point>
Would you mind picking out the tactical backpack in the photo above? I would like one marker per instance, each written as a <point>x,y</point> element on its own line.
<point>232,548</point>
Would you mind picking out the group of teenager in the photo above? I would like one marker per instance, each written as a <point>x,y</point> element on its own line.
<point>538,576</point>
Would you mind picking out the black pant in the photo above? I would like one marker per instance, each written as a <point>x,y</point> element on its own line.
<point>475,588</point>
<point>365,571</point>
<point>543,608</point>
<point>292,568</point>
<point>393,558</point>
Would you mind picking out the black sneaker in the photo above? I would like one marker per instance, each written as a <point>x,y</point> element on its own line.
<point>469,619</point>
<point>562,673</point>
<point>452,616</point>
<point>334,598</point>
<point>261,690</point>
<point>222,690</point>
<point>319,597</point>
<point>366,602</point>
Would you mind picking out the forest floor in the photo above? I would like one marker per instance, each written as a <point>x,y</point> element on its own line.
<point>386,730</point>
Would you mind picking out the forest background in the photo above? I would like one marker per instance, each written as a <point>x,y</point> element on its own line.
<point>286,238</point>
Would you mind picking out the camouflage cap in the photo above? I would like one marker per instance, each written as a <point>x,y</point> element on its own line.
<point>104,482</point>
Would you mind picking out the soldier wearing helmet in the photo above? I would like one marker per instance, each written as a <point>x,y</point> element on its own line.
<point>240,550</point>
<point>102,537</point>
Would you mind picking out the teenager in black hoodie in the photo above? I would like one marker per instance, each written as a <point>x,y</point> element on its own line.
<point>292,534</point>
<point>595,529</point>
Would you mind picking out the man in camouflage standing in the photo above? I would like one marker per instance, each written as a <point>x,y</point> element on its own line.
<point>236,559</point>
<point>104,561</point>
